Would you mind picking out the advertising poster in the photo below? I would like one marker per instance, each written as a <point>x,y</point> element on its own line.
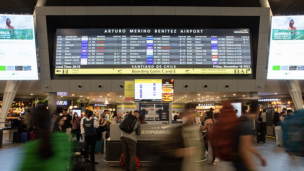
<point>17,48</point>
<point>129,90</point>
<point>155,113</point>
<point>286,48</point>
<point>167,90</point>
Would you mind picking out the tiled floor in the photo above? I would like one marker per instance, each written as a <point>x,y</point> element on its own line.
<point>277,158</point>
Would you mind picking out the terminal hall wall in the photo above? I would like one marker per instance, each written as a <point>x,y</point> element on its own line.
<point>255,82</point>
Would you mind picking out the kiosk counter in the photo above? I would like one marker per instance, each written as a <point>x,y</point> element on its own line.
<point>149,134</point>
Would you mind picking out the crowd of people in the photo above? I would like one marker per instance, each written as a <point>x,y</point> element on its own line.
<point>225,135</point>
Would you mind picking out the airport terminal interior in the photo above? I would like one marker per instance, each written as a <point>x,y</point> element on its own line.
<point>183,85</point>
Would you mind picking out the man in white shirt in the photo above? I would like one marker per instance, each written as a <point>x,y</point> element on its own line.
<point>173,114</point>
<point>89,124</point>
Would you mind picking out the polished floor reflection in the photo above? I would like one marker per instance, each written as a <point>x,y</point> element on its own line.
<point>277,158</point>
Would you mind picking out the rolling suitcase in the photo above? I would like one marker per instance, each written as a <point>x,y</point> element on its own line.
<point>16,137</point>
<point>32,135</point>
<point>24,137</point>
<point>99,146</point>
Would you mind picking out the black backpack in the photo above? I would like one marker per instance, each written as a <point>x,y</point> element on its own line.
<point>128,124</point>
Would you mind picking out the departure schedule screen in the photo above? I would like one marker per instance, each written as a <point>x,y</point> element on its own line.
<point>153,51</point>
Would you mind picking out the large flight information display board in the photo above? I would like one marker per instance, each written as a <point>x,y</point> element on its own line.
<point>153,51</point>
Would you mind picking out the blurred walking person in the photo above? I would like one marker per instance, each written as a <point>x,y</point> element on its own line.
<point>52,151</point>
<point>181,150</point>
<point>232,137</point>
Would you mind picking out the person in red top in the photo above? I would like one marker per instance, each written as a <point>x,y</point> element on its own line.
<point>8,24</point>
<point>76,125</point>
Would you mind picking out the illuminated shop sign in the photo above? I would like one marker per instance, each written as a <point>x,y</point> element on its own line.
<point>268,100</point>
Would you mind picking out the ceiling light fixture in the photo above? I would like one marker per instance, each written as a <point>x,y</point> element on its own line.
<point>73,94</point>
<point>198,94</point>
<point>234,94</point>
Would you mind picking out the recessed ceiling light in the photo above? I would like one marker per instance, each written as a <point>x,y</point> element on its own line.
<point>198,94</point>
<point>182,97</point>
<point>73,94</point>
<point>224,95</point>
<point>80,96</point>
<point>234,94</point>
<point>275,93</point>
<point>32,94</point>
<point>119,96</point>
<point>100,96</point>
<point>185,95</point>
<point>61,96</point>
<point>243,95</point>
<point>108,94</point>
<point>217,97</point>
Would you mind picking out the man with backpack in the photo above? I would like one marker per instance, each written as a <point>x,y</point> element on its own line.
<point>232,137</point>
<point>131,128</point>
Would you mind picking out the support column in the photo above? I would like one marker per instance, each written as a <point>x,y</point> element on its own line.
<point>9,95</point>
<point>295,93</point>
<point>264,3</point>
<point>137,105</point>
<point>38,4</point>
<point>254,95</point>
<point>52,102</point>
<point>170,112</point>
